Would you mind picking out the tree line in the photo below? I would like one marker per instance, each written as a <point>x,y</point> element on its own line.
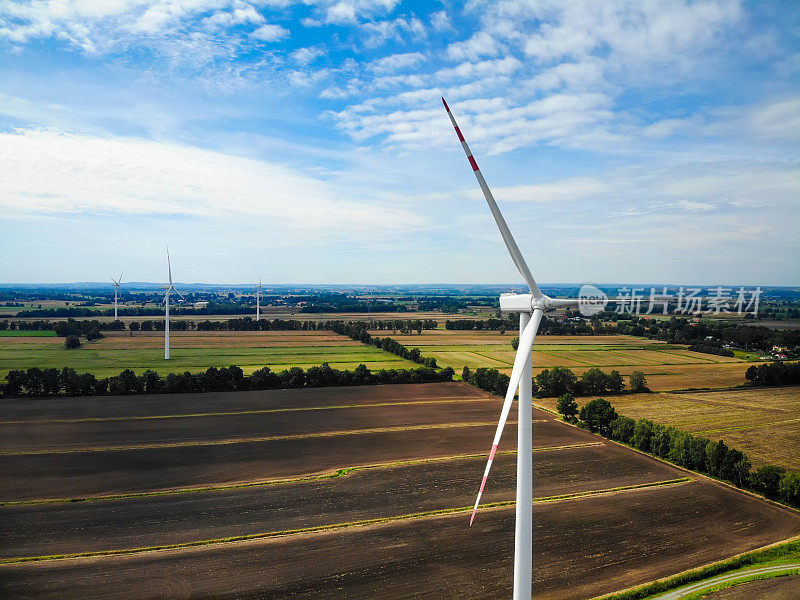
<point>547,326</point>
<point>684,449</point>
<point>74,327</point>
<point>36,382</point>
<point>356,330</point>
<point>776,373</point>
<point>558,381</point>
<point>685,331</point>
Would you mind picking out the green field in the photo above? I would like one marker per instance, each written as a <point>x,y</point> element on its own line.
<point>111,355</point>
<point>26,333</point>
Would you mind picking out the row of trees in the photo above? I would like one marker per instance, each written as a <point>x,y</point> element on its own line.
<point>80,328</point>
<point>712,349</point>
<point>37,382</point>
<point>686,331</point>
<point>776,373</point>
<point>355,330</point>
<point>684,449</point>
<point>547,327</point>
<point>559,381</point>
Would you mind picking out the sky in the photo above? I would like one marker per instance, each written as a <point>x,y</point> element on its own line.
<point>305,141</point>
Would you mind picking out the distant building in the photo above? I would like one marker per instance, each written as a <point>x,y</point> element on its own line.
<point>200,304</point>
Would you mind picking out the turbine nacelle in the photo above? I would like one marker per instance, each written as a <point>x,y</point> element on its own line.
<point>511,303</point>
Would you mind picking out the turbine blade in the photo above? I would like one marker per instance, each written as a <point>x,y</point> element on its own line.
<point>525,345</point>
<point>179,294</point>
<point>169,266</point>
<point>511,244</point>
<point>120,277</point>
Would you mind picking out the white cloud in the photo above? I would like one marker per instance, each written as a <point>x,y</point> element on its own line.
<point>304,56</point>
<point>396,62</point>
<point>270,33</point>
<point>479,45</point>
<point>500,66</point>
<point>377,33</point>
<point>89,175</point>
<point>440,21</point>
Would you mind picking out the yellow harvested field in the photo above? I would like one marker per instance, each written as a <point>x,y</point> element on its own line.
<point>762,422</point>
<point>666,366</point>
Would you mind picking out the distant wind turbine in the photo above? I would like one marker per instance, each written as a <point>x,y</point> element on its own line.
<point>531,308</point>
<point>169,288</point>
<point>258,300</point>
<point>117,283</point>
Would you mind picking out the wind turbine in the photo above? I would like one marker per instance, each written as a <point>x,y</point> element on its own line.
<point>169,288</point>
<point>258,300</point>
<point>117,283</point>
<point>531,308</point>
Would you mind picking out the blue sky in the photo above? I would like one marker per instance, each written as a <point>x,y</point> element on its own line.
<point>305,142</point>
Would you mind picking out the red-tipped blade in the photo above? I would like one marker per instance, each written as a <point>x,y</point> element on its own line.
<point>525,345</point>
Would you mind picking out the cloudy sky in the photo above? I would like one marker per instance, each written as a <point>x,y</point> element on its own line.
<point>305,141</point>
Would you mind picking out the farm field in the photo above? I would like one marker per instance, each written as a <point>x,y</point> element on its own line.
<point>196,351</point>
<point>762,422</point>
<point>666,366</point>
<point>360,492</point>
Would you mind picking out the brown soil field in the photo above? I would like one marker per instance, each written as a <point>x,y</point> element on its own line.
<point>422,448</point>
<point>762,422</point>
<point>44,529</point>
<point>119,471</point>
<point>583,547</point>
<point>51,409</point>
<point>35,437</point>
<point>778,588</point>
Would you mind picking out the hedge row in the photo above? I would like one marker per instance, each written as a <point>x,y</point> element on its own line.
<point>37,382</point>
<point>357,331</point>
<point>686,450</point>
<point>776,373</point>
<point>551,383</point>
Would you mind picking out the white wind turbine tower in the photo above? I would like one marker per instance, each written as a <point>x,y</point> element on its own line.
<point>117,283</point>
<point>531,308</point>
<point>258,300</point>
<point>169,288</point>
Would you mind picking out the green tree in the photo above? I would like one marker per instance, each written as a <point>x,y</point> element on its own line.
<point>614,382</point>
<point>789,488</point>
<point>593,382</point>
<point>71,342</point>
<point>642,434</point>
<point>767,480</point>
<point>715,455</point>
<point>567,406</point>
<point>555,382</point>
<point>598,415</point>
<point>736,467</point>
<point>622,429</point>
<point>638,382</point>
<point>466,373</point>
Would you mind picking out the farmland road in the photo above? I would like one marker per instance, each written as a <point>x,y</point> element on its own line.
<point>708,583</point>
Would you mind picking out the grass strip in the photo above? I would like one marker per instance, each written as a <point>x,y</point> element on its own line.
<point>788,548</point>
<point>698,595</point>
<point>322,528</point>
<point>446,400</point>
<point>344,471</point>
<point>229,441</point>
